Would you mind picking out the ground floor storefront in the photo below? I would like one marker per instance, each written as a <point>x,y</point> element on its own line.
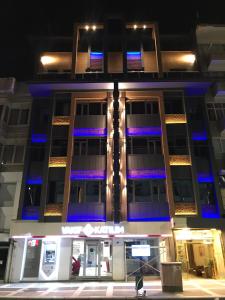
<point>107,251</point>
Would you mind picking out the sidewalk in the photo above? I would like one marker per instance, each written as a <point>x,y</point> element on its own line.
<point>193,288</point>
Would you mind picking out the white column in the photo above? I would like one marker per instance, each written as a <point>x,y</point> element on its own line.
<point>17,263</point>
<point>65,262</point>
<point>118,259</point>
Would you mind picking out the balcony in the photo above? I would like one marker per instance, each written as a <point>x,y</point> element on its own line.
<point>185,208</point>
<point>55,63</point>
<point>148,211</point>
<point>217,62</point>
<point>90,121</point>
<point>89,162</point>
<point>145,161</point>
<point>86,212</point>
<point>178,61</point>
<point>53,210</point>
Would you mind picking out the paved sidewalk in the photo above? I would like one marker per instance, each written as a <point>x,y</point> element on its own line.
<point>193,288</point>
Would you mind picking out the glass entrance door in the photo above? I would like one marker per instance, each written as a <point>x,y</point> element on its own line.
<point>91,258</point>
<point>93,253</point>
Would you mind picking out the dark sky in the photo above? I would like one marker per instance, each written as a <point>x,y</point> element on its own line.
<point>20,19</point>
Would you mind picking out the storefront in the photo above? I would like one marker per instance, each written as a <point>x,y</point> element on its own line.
<point>201,253</point>
<point>88,251</point>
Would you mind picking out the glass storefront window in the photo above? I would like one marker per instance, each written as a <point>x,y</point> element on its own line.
<point>91,258</point>
<point>143,256</point>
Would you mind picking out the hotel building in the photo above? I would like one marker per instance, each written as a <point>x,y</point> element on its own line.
<point>124,165</point>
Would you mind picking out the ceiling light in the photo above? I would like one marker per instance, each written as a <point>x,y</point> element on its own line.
<point>135,26</point>
<point>144,26</point>
<point>46,60</point>
<point>87,27</point>
<point>94,27</point>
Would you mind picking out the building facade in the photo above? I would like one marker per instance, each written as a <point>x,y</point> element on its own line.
<point>15,104</point>
<point>122,169</point>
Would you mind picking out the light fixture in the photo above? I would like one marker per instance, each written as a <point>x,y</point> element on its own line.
<point>87,27</point>
<point>135,26</point>
<point>46,60</point>
<point>144,26</point>
<point>188,58</point>
<point>94,27</point>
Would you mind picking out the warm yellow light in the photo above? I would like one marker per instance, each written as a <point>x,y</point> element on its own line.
<point>144,26</point>
<point>135,26</point>
<point>175,119</point>
<point>87,27</point>
<point>188,58</point>
<point>47,60</point>
<point>94,27</point>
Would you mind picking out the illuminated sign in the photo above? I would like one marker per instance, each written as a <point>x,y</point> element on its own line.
<point>140,250</point>
<point>88,229</point>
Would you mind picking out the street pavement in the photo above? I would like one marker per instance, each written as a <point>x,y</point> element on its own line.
<point>193,288</point>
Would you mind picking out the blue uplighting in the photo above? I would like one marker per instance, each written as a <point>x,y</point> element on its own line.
<point>96,55</point>
<point>146,174</point>
<point>144,131</point>
<point>159,219</point>
<point>210,211</point>
<point>199,136</point>
<point>134,53</point>
<point>85,218</point>
<point>89,132</point>
<point>205,178</point>
<point>30,214</point>
<point>37,180</point>
<point>38,138</point>
<point>87,175</point>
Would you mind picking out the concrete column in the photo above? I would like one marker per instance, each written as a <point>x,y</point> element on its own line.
<point>65,262</point>
<point>17,260</point>
<point>118,259</point>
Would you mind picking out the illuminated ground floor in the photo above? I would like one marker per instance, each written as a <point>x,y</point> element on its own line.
<point>107,251</point>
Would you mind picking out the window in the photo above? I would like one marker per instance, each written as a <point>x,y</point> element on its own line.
<point>62,108</point>
<point>92,108</point>
<point>56,192</point>
<point>6,114</point>
<point>87,191</point>
<point>173,102</point>
<point>177,145</point>
<point>59,147</point>
<point>14,117</point>
<point>216,111</point>
<point>207,193</point>
<point>183,190</point>
<point>146,190</point>
<point>24,116</point>
<point>1,110</point>
<point>90,147</point>
<point>7,192</point>
<point>19,154</point>
<point>219,145</point>
<point>201,149</point>
<point>32,195</point>
<point>142,107</point>
<point>137,145</point>
<point>37,153</point>
<point>134,61</point>
<point>7,156</point>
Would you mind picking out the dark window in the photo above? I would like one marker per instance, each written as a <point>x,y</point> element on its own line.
<point>95,109</point>
<point>62,108</point>
<point>8,154</point>
<point>37,154</point>
<point>93,147</point>
<point>14,117</point>
<point>19,154</point>
<point>140,146</point>
<point>183,190</point>
<point>201,149</point>
<point>87,191</point>
<point>177,145</point>
<point>6,114</point>
<point>1,110</point>
<point>138,107</point>
<point>56,192</point>
<point>207,193</point>
<point>24,116</point>
<point>32,195</point>
<point>59,147</point>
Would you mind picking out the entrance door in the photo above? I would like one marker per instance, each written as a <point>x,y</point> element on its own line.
<point>3,260</point>
<point>92,258</point>
<point>93,253</point>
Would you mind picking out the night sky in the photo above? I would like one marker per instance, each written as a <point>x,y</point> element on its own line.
<point>20,20</point>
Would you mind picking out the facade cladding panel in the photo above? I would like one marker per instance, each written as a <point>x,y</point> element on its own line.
<point>124,159</point>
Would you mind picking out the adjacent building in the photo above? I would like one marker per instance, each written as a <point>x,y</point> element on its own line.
<point>124,163</point>
<point>15,104</point>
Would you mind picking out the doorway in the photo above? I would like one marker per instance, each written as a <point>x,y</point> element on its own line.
<point>4,248</point>
<point>91,259</point>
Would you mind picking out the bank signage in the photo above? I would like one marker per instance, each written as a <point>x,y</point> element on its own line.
<point>90,230</point>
